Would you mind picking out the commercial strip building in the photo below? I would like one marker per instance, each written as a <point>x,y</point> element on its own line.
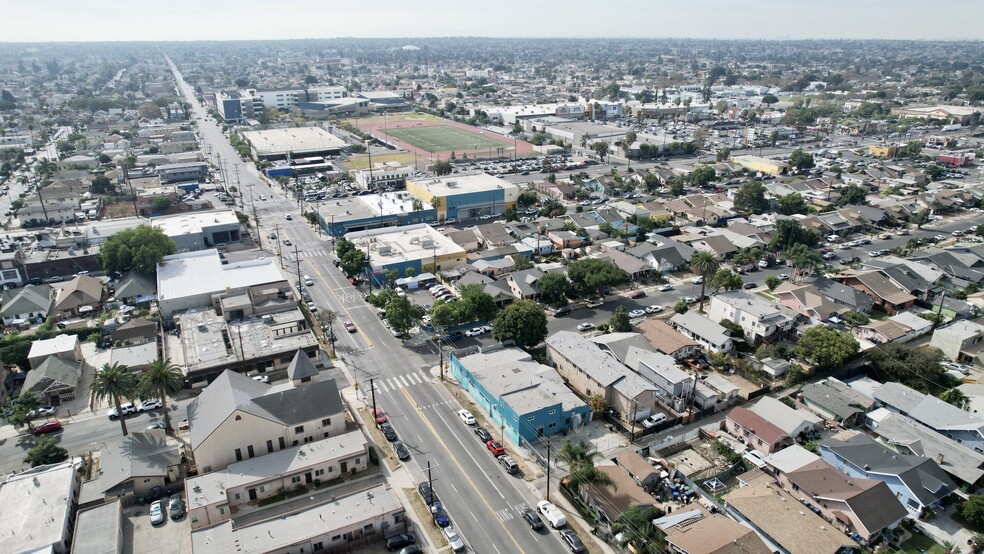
<point>528,399</point>
<point>763,165</point>
<point>358,213</point>
<point>460,197</point>
<point>181,173</point>
<point>200,230</point>
<point>38,508</point>
<point>294,142</point>
<point>382,175</point>
<point>412,246</point>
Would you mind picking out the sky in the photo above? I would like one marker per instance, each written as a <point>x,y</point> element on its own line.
<point>181,20</point>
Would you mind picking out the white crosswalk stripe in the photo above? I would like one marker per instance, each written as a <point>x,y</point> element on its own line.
<point>393,384</point>
<point>415,378</point>
<point>504,514</point>
<point>403,381</point>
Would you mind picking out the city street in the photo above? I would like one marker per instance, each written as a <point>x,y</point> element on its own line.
<point>484,502</point>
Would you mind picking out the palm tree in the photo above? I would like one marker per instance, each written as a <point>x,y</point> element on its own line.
<point>159,380</point>
<point>704,263</point>
<point>580,457</point>
<point>417,205</point>
<point>635,527</point>
<point>802,258</point>
<point>956,397</point>
<point>114,381</point>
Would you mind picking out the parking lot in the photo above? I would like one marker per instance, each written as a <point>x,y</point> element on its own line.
<point>140,537</point>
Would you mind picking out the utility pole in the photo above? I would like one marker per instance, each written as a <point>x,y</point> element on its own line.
<point>372,389</point>
<point>256,221</point>
<point>635,410</point>
<point>548,470</point>
<point>297,264</point>
<point>939,312</point>
<point>368,268</point>
<point>430,483</point>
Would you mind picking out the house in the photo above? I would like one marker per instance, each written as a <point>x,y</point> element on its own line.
<point>301,369</point>
<point>661,370</point>
<point>27,304</point>
<point>697,531</point>
<point>371,514</point>
<point>38,507</point>
<point>901,327</point>
<point>835,401</point>
<point>214,497</point>
<point>755,431</point>
<point>709,334</point>
<point>795,422</point>
<point>666,340</point>
<point>763,505</point>
<point>960,341</point>
<point>590,372</point>
<point>964,427</point>
<point>565,239</point>
<point>907,437</point>
<point>529,400</point>
<point>806,300</point>
<point>81,292</point>
<point>718,245</point>
<point>774,367</point>
<point>523,283</point>
<point>237,418</point>
<point>665,257</point>
<point>540,245</point>
<point>843,295</point>
<point>66,347</point>
<point>865,507</point>
<point>134,464</point>
<point>788,460</point>
<point>99,530</point>
<point>632,266</point>
<point>136,357</point>
<point>135,289</point>
<point>917,482</point>
<point>136,331</point>
<point>466,239</point>
<point>54,381</point>
<point>758,318</point>
<point>608,502</point>
<point>644,473</point>
<point>887,294</point>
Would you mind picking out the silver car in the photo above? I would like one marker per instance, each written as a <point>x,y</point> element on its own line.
<point>157,513</point>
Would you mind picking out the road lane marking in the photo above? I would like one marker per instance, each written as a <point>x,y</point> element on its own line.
<point>314,267</point>
<point>464,473</point>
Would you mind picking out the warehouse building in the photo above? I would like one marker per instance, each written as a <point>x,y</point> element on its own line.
<point>418,246</point>
<point>464,197</point>
<point>182,173</point>
<point>278,144</point>
<point>200,230</point>
<point>340,216</point>
<point>762,165</point>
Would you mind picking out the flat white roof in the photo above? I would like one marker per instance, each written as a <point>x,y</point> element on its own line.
<point>35,506</point>
<point>202,272</point>
<point>190,223</point>
<point>461,184</point>
<point>296,140</point>
<point>390,245</point>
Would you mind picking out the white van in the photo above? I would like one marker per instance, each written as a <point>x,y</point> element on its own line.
<point>308,280</point>
<point>552,513</point>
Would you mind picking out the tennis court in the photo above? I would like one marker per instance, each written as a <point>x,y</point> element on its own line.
<point>441,138</point>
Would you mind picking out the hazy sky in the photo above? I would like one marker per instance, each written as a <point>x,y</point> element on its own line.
<point>99,20</point>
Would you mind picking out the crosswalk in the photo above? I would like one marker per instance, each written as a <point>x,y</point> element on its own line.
<point>511,512</point>
<point>392,384</point>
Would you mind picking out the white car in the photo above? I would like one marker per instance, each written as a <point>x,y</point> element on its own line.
<point>475,332</point>
<point>784,276</point>
<point>637,313</point>
<point>262,378</point>
<point>466,417</point>
<point>697,280</point>
<point>665,288</point>
<point>594,304</point>
<point>585,327</point>
<point>44,411</point>
<point>150,405</point>
<point>654,309</point>
<point>454,541</point>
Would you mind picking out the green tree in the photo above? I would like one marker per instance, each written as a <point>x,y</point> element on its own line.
<point>353,262</point>
<point>934,172</point>
<point>793,204</point>
<point>580,458</point>
<point>478,302</point>
<point>628,141</point>
<point>594,275</point>
<point>704,264</point>
<point>45,451</point>
<point>522,321</point>
<point>160,380</point>
<point>160,203</point>
<point>527,198</point>
<point>702,175</point>
<point>600,148</point>
<point>681,306</point>
<point>801,160</point>
<point>521,262</point>
<point>972,510</point>
<point>102,185</point>
<point>114,382</point>
<point>635,527</point>
<point>725,279</point>
<point>917,368</point>
<point>20,412</point>
<point>803,259</point>
<point>676,187</point>
<point>855,319</point>
<point>723,154</point>
<point>554,288</point>
<point>826,347</point>
<point>400,314</point>
<point>750,198</point>
<point>789,232</point>
<point>619,321</point>
<point>955,397</point>
<point>772,281</point>
<point>852,195</point>
<point>769,99</point>
<point>442,167</point>
<point>140,249</point>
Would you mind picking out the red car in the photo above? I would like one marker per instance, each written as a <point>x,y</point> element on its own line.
<point>349,326</point>
<point>48,427</point>
<point>637,294</point>
<point>495,448</point>
<point>379,416</point>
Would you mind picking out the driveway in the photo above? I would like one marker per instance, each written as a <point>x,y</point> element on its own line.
<point>140,537</point>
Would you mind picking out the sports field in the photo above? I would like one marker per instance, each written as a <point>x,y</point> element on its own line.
<point>440,138</point>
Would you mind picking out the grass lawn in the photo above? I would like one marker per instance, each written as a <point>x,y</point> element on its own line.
<point>378,119</point>
<point>921,543</point>
<point>444,139</point>
<point>362,162</point>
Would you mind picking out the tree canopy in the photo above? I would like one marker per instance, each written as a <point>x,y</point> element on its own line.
<point>45,451</point>
<point>619,321</point>
<point>442,167</point>
<point>793,203</point>
<point>852,194</point>
<point>400,314</point>
<point>140,249</point>
<point>826,347</point>
<point>593,275</point>
<point>522,321</point>
<point>601,148</point>
<point>789,232</point>
<point>750,198</point>
<point>554,288</point>
<point>917,368</point>
<point>801,160</point>
<point>702,175</point>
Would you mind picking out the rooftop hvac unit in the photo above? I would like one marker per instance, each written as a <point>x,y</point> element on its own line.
<point>385,250</point>
<point>452,184</point>
<point>427,243</point>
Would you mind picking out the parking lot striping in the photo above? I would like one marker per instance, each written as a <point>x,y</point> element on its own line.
<point>464,473</point>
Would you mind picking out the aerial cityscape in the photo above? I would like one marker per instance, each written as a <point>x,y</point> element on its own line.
<point>446,283</point>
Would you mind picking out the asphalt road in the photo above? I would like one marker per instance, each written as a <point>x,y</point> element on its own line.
<point>483,501</point>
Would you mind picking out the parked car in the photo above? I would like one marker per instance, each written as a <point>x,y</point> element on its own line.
<point>43,411</point>
<point>594,304</point>
<point>532,519</point>
<point>177,508</point>
<point>552,513</point>
<point>495,448</point>
<point>585,326</point>
<point>400,540</point>
<point>127,409</point>
<point>474,332</point>
<point>402,452</point>
<point>466,417</point>
<point>379,416</point>
<point>483,435</point>
<point>157,513</point>
<point>427,493</point>
<point>654,420</point>
<point>572,541</point>
<point>440,515</point>
<point>349,326</point>
<point>654,309</point>
<point>456,335</point>
<point>508,464</point>
<point>697,280</point>
<point>747,286</point>
<point>160,425</point>
<point>150,405</point>
<point>262,378</point>
<point>48,427</point>
<point>637,294</point>
<point>637,313</point>
<point>389,432</point>
<point>562,311</point>
<point>665,288</point>
<point>454,541</point>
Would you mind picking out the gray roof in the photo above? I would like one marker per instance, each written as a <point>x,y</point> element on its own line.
<point>233,391</point>
<point>583,353</point>
<point>650,364</point>
<point>526,280</point>
<point>841,293</point>
<point>97,530</point>
<point>922,476</point>
<point>927,409</point>
<point>837,398</point>
<point>702,327</point>
<point>618,344</point>
<point>134,284</point>
<point>52,372</point>
<point>301,366</point>
<point>140,454</point>
<point>32,298</point>
<point>526,386</point>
